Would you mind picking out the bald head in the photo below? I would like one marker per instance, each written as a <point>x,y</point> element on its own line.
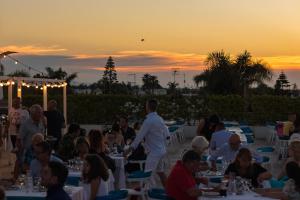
<point>234,142</point>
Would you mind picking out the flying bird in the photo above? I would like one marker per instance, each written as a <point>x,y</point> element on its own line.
<point>142,40</point>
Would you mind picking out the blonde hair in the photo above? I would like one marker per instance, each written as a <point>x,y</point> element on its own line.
<point>37,136</point>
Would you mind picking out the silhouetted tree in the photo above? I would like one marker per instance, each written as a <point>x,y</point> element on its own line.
<point>282,84</point>
<point>19,73</point>
<point>150,82</point>
<point>227,76</point>
<point>172,87</point>
<point>109,76</point>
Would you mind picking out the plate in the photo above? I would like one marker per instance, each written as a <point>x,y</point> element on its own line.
<point>211,194</point>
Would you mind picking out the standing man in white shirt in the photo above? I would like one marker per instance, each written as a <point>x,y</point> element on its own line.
<point>16,117</point>
<point>155,133</point>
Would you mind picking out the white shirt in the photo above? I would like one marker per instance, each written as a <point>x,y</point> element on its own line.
<point>16,117</point>
<point>228,154</point>
<point>155,133</point>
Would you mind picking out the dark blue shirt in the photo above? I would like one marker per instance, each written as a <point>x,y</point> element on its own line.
<point>57,192</point>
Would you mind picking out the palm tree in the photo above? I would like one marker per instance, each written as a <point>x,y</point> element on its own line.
<point>19,73</point>
<point>57,74</point>
<point>224,75</point>
<point>251,72</point>
<point>219,65</point>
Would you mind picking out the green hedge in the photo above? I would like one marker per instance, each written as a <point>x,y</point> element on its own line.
<point>99,109</point>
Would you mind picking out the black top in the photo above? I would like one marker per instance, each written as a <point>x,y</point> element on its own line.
<point>128,134</point>
<point>55,121</point>
<point>207,130</point>
<point>57,192</point>
<point>254,171</point>
<point>110,163</point>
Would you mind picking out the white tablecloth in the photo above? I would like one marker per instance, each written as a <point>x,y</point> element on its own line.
<point>249,196</point>
<point>76,193</point>
<point>119,174</point>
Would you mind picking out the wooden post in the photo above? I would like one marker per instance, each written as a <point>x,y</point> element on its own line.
<point>65,102</point>
<point>45,98</point>
<point>10,96</point>
<point>19,93</point>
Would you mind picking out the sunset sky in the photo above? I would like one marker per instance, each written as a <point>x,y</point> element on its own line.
<point>79,35</point>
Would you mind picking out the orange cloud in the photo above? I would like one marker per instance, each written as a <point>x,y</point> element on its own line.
<point>283,62</point>
<point>31,49</point>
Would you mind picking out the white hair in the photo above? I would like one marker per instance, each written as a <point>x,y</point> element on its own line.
<point>200,143</point>
<point>34,108</point>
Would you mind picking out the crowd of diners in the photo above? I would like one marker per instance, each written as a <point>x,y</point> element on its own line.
<point>45,155</point>
<point>213,139</point>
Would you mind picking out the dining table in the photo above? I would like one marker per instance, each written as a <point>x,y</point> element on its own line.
<point>246,196</point>
<point>76,193</point>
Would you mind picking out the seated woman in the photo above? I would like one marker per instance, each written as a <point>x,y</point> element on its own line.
<point>7,165</point>
<point>243,167</point>
<point>207,126</point>
<point>29,155</point>
<point>115,138</point>
<point>66,145</point>
<point>291,190</point>
<point>81,148</point>
<point>97,146</point>
<point>292,186</point>
<point>95,175</point>
<point>294,153</point>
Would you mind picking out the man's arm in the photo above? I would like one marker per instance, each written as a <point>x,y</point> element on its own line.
<point>194,192</point>
<point>140,136</point>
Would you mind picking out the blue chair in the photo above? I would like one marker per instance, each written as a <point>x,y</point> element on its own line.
<point>24,198</point>
<point>172,128</point>
<point>246,130</point>
<point>114,195</point>
<point>265,159</point>
<point>249,139</point>
<point>139,174</point>
<point>71,180</point>
<point>265,149</point>
<point>204,158</point>
<point>142,178</point>
<point>279,184</point>
<point>157,193</point>
<point>215,180</point>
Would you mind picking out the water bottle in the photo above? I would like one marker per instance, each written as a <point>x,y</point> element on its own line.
<point>232,190</point>
<point>29,182</point>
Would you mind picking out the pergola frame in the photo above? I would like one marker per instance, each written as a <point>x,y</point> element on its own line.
<point>39,83</point>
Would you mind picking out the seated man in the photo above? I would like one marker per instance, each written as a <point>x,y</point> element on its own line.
<point>219,137</point>
<point>54,176</point>
<point>229,150</point>
<point>181,184</point>
<point>43,157</point>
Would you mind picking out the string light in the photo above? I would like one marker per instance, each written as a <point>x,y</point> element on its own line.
<point>33,84</point>
<point>16,62</point>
